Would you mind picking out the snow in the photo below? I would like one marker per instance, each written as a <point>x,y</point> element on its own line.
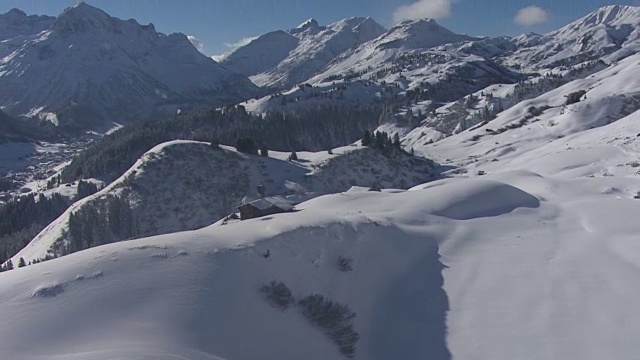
<point>445,262</point>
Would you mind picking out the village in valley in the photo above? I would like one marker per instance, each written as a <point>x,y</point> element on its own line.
<point>42,163</point>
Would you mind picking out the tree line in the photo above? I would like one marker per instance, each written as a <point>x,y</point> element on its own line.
<point>315,129</point>
<point>22,219</point>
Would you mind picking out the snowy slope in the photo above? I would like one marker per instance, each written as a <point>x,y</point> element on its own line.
<point>532,128</point>
<point>88,69</point>
<point>282,59</point>
<point>184,185</point>
<point>437,272</point>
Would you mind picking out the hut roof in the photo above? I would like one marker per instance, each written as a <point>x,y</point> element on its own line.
<point>271,201</point>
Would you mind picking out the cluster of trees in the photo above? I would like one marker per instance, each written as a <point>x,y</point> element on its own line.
<point>575,97</point>
<point>9,265</point>
<point>527,90</point>
<point>22,219</point>
<point>381,141</point>
<point>334,319</point>
<point>53,182</point>
<point>85,188</point>
<point>7,184</point>
<point>312,129</point>
<point>247,145</point>
<point>99,223</point>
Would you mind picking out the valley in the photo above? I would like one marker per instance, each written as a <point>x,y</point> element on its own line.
<point>26,167</point>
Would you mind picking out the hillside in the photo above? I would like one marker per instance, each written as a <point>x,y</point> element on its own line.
<point>440,262</point>
<point>184,185</point>
<point>532,127</point>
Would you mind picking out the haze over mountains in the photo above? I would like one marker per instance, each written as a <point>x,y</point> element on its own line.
<point>492,216</point>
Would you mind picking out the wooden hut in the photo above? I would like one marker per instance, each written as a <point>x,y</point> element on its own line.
<point>263,207</point>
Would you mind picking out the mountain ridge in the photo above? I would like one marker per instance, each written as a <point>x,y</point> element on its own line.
<point>306,50</point>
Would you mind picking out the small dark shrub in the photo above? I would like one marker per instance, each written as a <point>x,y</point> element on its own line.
<point>345,263</point>
<point>278,295</point>
<point>334,319</point>
<point>575,97</point>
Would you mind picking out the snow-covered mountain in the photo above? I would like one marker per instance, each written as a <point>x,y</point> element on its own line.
<point>282,59</point>
<point>442,66</point>
<point>16,23</point>
<point>609,33</point>
<point>86,69</point>
<point>418,57</point>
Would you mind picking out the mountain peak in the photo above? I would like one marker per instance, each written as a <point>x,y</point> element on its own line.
<point>308,24</point>
<point>419,21</point>
<point>84,9</point>
<point>419,34</point>
<point>17,12</point>
<point>82,18</point>
<point>613,15</point>
<point>416,27</point>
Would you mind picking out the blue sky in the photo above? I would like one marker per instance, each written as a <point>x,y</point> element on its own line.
<point>221,23</point>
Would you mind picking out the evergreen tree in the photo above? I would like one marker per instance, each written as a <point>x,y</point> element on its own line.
<point>366,139</point>
<point>396,141</point>
<point>85,189</point>
<point>22,263</point>
<point>9,265</point>
<point>264,151</point>
<point>247,146</point>
<point>293,156</point>
<point>380,139</point>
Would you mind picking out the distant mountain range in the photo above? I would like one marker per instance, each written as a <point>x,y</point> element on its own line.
<point>282,59</point>
<point>87,70</point>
